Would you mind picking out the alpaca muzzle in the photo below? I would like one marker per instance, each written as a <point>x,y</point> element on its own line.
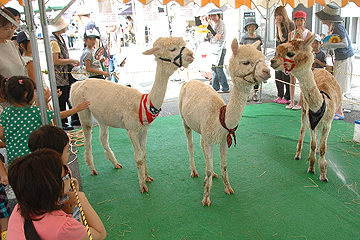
<point>180,64</point>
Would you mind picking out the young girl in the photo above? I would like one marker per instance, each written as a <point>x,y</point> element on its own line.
<point>283,26</point>
<point>21,118</point>
<point>249,38</point>
<point>92,66</point>
<point>300,30</point>
<point>39,204</point>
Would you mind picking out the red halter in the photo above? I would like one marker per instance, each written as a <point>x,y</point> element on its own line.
<point>287,70</point>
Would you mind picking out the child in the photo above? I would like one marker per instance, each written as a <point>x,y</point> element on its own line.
<point>300,30</point>
<point>319,56</point>
<point>55,138</point>
<point>92,66</point>
<point>249,38</point>
<point>21,118</point>
<point>344,53</point>
<point>38,204</point>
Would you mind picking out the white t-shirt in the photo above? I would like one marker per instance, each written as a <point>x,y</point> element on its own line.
<point>11,63</point>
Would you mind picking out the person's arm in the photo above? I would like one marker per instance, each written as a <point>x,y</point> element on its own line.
<point>59,61</point>
<point>280,33</point>
<point>78,108</point>
<point>93,70</point>
<point>30,71</point>
<point>97,228</point>
<point>2,136</point>
<point>3,174</point>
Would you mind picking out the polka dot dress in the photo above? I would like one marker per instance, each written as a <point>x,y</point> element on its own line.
<point>18,124</point>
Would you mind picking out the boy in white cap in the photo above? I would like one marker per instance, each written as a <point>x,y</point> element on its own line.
<point>344,54</point>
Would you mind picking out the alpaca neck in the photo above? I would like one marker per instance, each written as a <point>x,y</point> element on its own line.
<point>158,90</point>
<point>309,90</point>
<point>236,105</point>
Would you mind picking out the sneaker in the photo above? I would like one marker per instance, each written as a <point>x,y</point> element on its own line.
<point>226,91</point>
<point>67,127</point>
<point>296,107</point>
<point>284,101</point>
<point>277,100</point>
<point>290,106</point>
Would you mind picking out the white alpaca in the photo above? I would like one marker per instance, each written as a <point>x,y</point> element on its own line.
<point>114,105</point>
<point>200,106</point>
<point>321,94</point>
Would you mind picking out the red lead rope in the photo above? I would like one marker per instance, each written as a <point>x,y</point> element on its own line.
<point>231,131</point>
<point>287,70</point>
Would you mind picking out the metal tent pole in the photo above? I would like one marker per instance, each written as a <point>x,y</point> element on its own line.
<point>34,46</point>
<point>50,63</point>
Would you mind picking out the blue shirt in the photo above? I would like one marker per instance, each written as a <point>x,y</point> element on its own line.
<point>342,53</point>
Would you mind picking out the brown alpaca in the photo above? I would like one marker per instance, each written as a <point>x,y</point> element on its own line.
<point>320,92</point>
<point>114,105</point>
<point>200,107</point>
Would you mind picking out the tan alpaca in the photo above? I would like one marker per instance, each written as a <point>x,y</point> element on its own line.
<point>200,105</point>
<point>311,83</point>
<point>114,105</point>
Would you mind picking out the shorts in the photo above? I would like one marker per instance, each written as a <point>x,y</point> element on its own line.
<point>4,204</point>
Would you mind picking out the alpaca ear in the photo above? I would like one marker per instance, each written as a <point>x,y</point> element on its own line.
<point>151,51</point>
<point>256,44</point>
<point>234,46</point>
<point>308,41</point>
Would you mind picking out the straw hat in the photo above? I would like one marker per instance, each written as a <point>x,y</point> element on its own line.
<point>60,24</point>
<point>330,13</point>
<point>250,21</point>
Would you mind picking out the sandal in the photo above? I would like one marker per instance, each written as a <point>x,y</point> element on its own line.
<point>296,107</point>
<point>277,100</point>
<point>290,106</point>
<point>338,117</point>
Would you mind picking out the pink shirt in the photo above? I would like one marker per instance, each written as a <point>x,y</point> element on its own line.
<point>55,225</point>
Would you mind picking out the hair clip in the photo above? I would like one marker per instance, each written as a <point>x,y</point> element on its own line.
<point>21,81</point>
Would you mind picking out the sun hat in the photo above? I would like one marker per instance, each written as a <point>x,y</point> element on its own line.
<point>60,24</point>
<point>22,36</point>
<point>317,37</point>
<point>250,21</point>
<point>300,14</point>
<point>215,11</point>
<point>330,13</point>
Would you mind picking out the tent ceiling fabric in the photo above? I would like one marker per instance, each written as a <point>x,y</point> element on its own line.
<point>239,3</point>
<point>249,3</point>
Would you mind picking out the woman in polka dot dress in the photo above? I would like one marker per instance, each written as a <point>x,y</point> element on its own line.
<point>21,118</point>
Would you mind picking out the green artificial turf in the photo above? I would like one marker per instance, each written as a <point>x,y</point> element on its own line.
<point>275,197</point>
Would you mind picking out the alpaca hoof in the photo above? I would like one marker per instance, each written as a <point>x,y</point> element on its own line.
<point>323,179</point>
<point>206,201</point>
<point>144,189</point>
<point>93,172</point>
<point>149,179</point>
<point>229,190</point>
<point>194,174</point>
<point>311,171</point>
<point>215,175</point>
<point>297,158</point>
<point>118,166</point>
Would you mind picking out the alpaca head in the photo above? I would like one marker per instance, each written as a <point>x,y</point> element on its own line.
<point>247,64</point>
<point>294,56</point>
<point>172,52</point>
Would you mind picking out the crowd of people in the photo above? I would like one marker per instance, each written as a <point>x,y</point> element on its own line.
<point>39,154</point>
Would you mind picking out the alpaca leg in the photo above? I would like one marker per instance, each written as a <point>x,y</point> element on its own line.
<point>312,154</point>
<point>304,124</point>
<point>322,150</point>
<point>140,160</point>
<point>209,169</point>
<point>190,147</point>
<point>104,139</point>
<point>143,138</point>
<point>223,165</point>
<point>86,124</point>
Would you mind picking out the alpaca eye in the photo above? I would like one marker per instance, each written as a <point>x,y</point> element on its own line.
<point>290,54</point>
<point>172,50</point>
<point>246,63</point>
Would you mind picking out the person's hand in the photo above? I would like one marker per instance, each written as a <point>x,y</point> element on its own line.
<point>106,74</point>
<point>218,36</point>
<point>47,95</point>
<point>4,180</point>
<point>83,105</point>
<point>74,62</point>
<point>102,59</point>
